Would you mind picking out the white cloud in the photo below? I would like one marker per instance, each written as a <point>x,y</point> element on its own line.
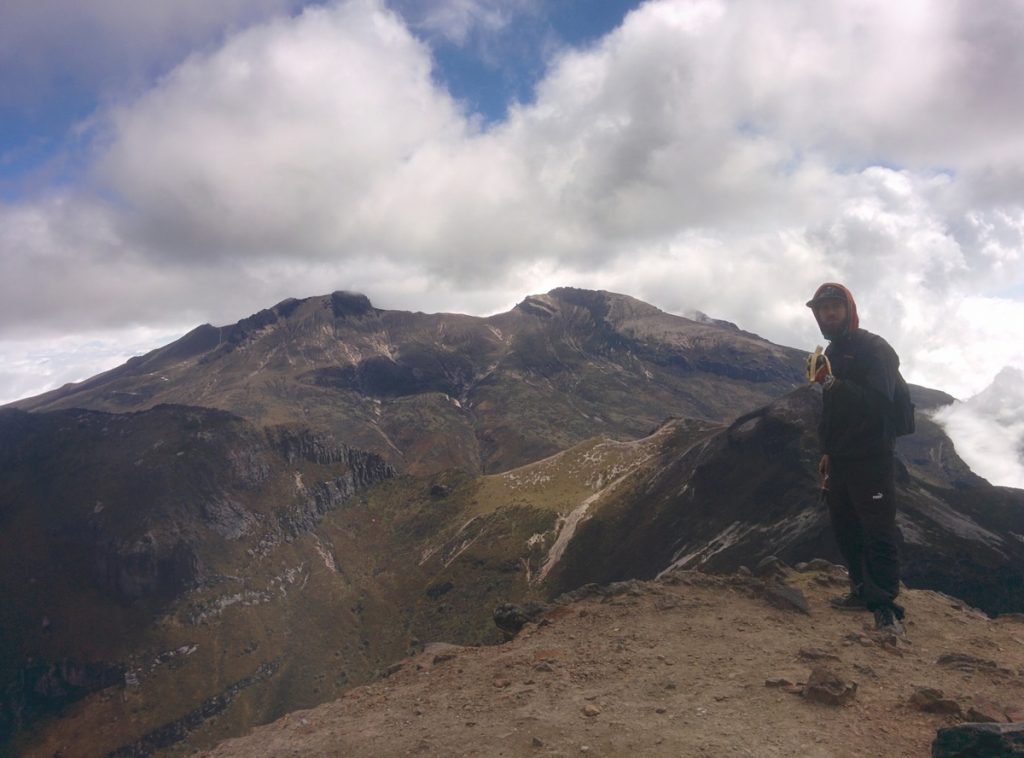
<point>989,429</point>
<point>30,368</point>
<point>718,156</point>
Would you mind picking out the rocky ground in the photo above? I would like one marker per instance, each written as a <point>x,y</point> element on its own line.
<point>690,665</point>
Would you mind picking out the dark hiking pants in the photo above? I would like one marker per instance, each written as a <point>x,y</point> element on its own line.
<point>862,507</point>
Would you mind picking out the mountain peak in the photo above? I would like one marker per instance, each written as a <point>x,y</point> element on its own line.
<point>601,304</point>
<point>346,304</point>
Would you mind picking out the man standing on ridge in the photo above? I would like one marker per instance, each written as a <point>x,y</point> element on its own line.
<point>859,372</point>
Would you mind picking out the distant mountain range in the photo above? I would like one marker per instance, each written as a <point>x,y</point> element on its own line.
<point>432,391</point>
<point>253,518</point>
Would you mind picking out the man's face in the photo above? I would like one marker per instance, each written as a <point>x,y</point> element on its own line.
<point>831,315</point>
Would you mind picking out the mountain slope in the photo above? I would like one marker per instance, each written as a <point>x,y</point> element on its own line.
<point>749,490</point>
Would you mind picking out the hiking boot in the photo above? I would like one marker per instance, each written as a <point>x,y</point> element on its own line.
<point>887,619</point>
<point>851,601</point>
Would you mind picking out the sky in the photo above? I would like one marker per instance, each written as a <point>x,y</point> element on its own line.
<point>177,162</point>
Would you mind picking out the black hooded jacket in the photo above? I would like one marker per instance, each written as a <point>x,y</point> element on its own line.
<point>857,411</point>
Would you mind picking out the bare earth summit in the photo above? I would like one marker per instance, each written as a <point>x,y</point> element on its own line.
<point>690,665</point>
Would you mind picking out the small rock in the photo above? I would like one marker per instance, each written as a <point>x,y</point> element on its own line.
<point>441,649</point>
<point>931,700</point>
<point>543,666</point>
<point>770,566</point>
<point>744,571</point>
<point>964,662</point>
<point>443,657</point>
<point>659,710</point>
<point>786,598</point>
<point>536,742</point>
<point>820,564</point>
<point>802,566</point>
<point>827,687</point>
<point>590,710</point>
<point>979,739</point>
<point>502,683</point>
<point>985,711</point>
<point>510,618</point>
<point>778,681</point>
<point>816,654</point>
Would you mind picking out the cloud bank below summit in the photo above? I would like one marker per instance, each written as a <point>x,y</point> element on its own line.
<point>722,157</point>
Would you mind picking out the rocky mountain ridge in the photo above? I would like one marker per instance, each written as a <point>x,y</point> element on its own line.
<point>501,391</point>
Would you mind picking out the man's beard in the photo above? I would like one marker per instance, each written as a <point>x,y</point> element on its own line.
<point>833,332</point>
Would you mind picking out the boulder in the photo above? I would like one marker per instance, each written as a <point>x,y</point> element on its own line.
<point>932,700</point>
<point>828,688</point>
<point>988,740</point>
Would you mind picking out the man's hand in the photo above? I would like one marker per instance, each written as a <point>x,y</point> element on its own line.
<point>819,368</point>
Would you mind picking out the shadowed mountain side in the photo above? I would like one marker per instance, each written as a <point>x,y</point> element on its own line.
<point>751,490</point>
<point>122,535</point>
<point>434,391</point>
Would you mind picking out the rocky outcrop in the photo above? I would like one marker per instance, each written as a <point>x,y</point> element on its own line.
<point>361,470</point>
<point>156,565</point>
<point>175,731</point>
<point>43,688</point>
<point>350,305</point>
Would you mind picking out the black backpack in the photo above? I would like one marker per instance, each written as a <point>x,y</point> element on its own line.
<point>903,408</point>
<point>901,413</point>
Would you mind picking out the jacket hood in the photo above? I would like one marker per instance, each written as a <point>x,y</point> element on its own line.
<point>852,320</point>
